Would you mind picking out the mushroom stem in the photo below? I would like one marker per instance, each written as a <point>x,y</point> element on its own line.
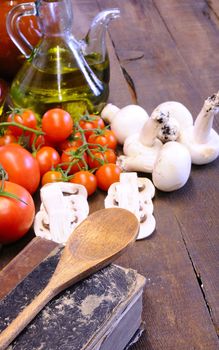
<point>139,163</point>
<point>109,112</point>
<point>204,121</point>
<point>149,132</point>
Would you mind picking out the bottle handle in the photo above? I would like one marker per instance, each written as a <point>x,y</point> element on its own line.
<point>12,25</point>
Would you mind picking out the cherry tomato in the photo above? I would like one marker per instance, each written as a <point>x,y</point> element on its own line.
<point>75,141</point>
<point>89,123</point>
<point>16,216</point>
<point>100,158</point>
<point>39,141</point>
<point>57,124</point>
<point>95,140</point>
<point>87,179</point>
<point>103,138</point>
<point>75,156</point>
<point>47,158</point>
<point>25,118</point>
<point>7,138</point>
<point>21,167</point>
<point>106,175</point>
<point>51,176</point>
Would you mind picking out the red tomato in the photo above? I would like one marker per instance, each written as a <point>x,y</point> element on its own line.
<point>106,175</point>
<point>47,158</point>
<point>7,138</point>
<point>57,124</point>
<point>21,167</point>
<point>75,141</point>
<point>25,118</point>
<point>39,141</point>
<point>87,179</point>
<point>91,122</point>
<point>103,138</point>
<point>16,217</point>
<point>100,158</point>
<point>51,176</point>
<point>75,156</point>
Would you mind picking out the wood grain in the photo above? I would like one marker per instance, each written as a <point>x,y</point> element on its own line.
<point>179,62</point>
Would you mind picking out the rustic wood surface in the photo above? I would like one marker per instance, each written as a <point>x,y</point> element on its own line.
<point>168,50</point>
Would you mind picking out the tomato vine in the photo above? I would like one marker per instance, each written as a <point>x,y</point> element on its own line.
<point>3,193</point>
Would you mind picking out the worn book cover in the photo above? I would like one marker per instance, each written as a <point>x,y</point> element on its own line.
<point>91,315</point>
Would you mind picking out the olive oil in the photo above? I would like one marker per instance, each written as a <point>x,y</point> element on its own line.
<point>55,83</point>
<point>61,71</point>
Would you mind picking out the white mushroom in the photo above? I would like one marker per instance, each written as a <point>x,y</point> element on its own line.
<point>172,168</point>
<point>63,207</point>
<point>109,112</point>
<point>177,111</point>
<point>141,149</point>
<point>146,187</point>
<point>168,126</point>
<point>201,139</point>
<point>126,121</point>
<point>134,194</point>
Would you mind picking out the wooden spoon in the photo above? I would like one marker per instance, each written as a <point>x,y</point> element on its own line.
<point>96,242</point>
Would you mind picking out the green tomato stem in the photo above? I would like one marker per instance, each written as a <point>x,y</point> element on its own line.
<point>23,127</point>
<point>4,177</point>
<point>11,195</point>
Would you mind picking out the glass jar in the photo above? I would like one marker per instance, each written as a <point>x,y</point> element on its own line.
<point>10,57</point>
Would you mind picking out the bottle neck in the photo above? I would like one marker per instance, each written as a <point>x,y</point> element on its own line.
<point>55,16</point>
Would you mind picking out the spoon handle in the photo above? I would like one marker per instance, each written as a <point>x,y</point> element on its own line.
<point>25,317</point>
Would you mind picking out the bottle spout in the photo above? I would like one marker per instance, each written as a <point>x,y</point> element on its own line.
<point>95,40</point>
<point>104,17</point>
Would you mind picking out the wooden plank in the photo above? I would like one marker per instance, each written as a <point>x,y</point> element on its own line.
<point>214,7</point>
<point>200,231</point>
<point>159,73</point>
<point>174,312</point>
<point>196,38</point>
<point>179,54</point>
<point>196,27</point>
<point>178,45</point>
<point>175,309</point>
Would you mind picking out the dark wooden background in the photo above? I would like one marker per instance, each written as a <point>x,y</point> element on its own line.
<point>168,50</point>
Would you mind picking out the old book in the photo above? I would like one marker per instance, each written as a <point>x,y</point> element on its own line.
<point>102,312</point>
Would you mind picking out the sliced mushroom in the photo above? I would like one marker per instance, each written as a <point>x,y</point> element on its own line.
<point>60,211</point>
<point>146,186</point>
<point>147,227</point>
<point>69,188</point>
<point>134,194</point>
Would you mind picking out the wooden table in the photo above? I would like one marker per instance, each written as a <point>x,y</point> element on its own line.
<point>168,50</point>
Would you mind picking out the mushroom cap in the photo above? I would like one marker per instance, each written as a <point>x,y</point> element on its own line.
<point>201,153</point>
<point>127,121</point>
<point>172,167</point>
<point>169,131</point>
<point>178,111</point>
